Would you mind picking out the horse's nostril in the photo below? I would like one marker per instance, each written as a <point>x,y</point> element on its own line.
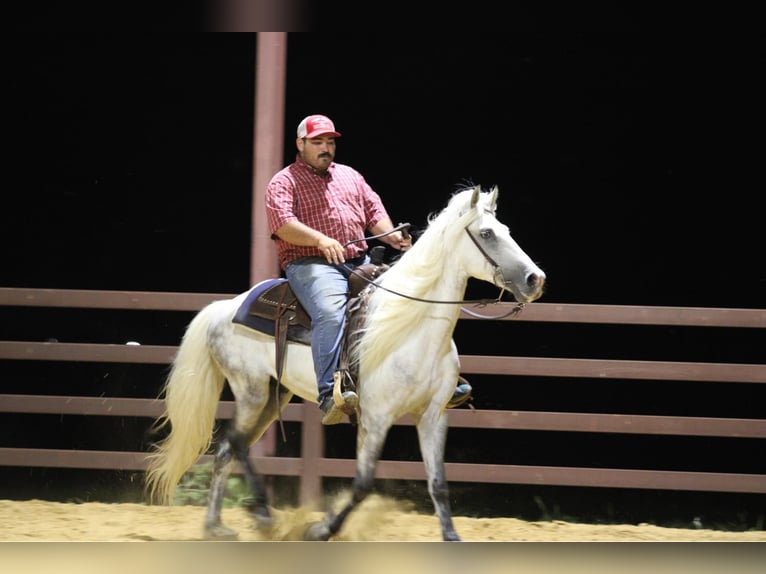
<point>536,280</point>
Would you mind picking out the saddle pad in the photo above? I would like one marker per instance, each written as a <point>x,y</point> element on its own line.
<point>295,333</point>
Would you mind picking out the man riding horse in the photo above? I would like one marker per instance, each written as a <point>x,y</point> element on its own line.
<point>316,208</point>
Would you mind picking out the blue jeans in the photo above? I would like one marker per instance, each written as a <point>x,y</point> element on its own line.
<point>322,289</point>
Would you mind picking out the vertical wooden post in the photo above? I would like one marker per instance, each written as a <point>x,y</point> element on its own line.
<point>268,143</point>
<point>271,62</point>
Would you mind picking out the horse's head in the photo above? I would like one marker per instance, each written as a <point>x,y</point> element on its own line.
<point>494,256</point>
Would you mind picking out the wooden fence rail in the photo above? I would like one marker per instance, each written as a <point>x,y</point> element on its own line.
<point>313,465</point>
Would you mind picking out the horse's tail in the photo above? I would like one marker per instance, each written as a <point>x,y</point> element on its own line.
<point>192,392</point>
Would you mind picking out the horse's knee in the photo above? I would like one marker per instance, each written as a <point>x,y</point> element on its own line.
<point>223,455</point>
<point>439,488</point>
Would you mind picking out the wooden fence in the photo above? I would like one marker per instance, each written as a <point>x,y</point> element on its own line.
<point>313,464</point>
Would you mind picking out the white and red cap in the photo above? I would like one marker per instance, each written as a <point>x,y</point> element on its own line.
<point>315,126</point>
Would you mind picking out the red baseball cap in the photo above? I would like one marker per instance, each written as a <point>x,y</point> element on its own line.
<point>316,125</point>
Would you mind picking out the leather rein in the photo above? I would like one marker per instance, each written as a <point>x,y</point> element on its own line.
<point>404,228</point>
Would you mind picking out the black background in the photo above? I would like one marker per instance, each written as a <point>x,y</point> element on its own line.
<point>628,163</point>
<point>628,155</point>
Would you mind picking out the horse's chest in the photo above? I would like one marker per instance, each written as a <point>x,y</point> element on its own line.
<point>423,358</point>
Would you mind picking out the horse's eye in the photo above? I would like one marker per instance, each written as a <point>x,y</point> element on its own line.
<point>487,234</point>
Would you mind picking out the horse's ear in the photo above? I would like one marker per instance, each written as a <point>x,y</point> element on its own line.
<point>475,196</point>
<point>493,199</point>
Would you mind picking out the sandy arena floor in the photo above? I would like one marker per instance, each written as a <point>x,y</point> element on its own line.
<point>378,519</point>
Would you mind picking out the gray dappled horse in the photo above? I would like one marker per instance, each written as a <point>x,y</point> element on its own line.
<point>406,358</point>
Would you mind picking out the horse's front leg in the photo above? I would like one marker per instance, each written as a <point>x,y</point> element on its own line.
<point>432,434</point>
<point>369,447</point>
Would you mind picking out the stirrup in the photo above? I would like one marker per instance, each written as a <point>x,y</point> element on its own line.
<point>333,414</point>
<point>345,400</point>
<point>344,394</point>
<point>461,395</point>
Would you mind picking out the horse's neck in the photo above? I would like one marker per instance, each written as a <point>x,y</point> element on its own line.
<point>435,303</point>
<point>406,311</point>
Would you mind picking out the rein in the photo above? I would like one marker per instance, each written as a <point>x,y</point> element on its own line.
<point>479,302</point>
<point>403,227</point>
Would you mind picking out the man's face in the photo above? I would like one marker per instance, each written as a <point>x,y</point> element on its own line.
<point>318,152</point>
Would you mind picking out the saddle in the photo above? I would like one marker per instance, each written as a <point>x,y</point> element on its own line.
<point>271,307</point>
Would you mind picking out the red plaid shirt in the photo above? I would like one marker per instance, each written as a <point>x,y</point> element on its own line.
<point>340,204</point>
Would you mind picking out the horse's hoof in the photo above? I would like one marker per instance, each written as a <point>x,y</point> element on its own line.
<point>260,513</point>
<point>317,532</point>
<point>264,522</point>
<point>220,532</point>
<point>452,538</point>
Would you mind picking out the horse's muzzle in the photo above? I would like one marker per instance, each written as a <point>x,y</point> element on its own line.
<point>532,289</point>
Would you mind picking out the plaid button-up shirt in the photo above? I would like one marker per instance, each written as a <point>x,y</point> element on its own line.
<point>339,203</point>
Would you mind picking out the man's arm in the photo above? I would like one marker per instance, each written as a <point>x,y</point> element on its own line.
<point>299,233</point>
<point>395,239</point>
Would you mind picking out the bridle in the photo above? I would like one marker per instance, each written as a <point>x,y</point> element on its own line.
<point>404,227</point>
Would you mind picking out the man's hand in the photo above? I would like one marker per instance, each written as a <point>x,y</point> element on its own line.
<point>331,249</point>
<point>400,242</point>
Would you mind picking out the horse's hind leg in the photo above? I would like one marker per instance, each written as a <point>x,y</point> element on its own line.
<point>432,435</point>
<point>369,447</point>
<point>248,426</point>
<point>222,464</point>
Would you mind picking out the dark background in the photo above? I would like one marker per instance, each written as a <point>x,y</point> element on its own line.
<point>628,154</point>
<point>628,161</point>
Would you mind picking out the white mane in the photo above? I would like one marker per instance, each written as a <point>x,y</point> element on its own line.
<point>417,273</point>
